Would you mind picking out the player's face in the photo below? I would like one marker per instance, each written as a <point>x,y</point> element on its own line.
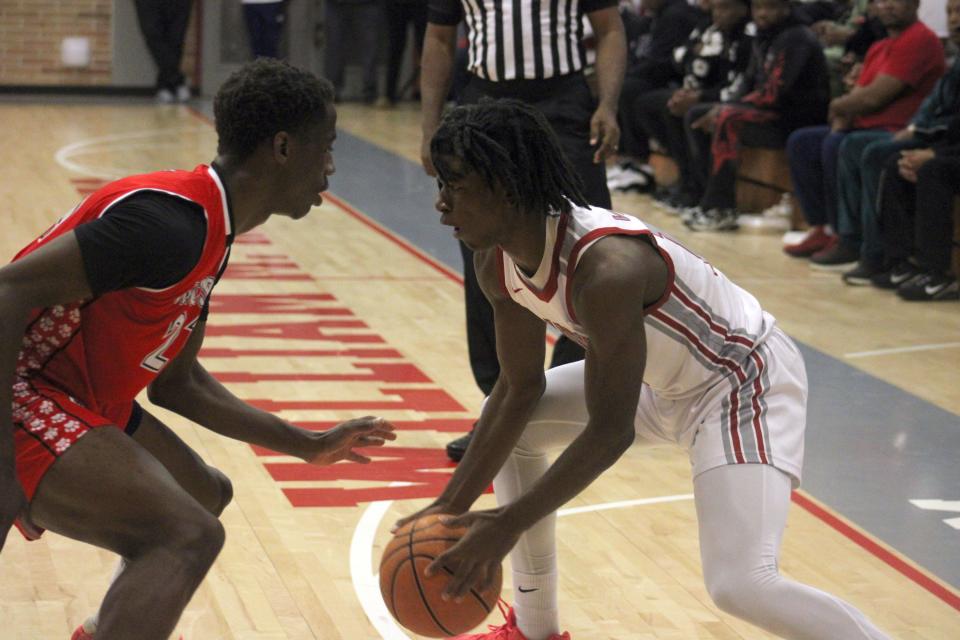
<point>478,214</point>
<point>309,166</point>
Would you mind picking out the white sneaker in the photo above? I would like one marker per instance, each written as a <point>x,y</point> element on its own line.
<point>633,177</point>
<point>783,209</point>
<point>165,96</point>
<point>183,93</point>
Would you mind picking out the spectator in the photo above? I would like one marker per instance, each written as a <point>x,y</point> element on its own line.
<point>264,20</point>
<point>401,14</point>
<point>712,62</point>
<point>164,27</point>
<point>785,88</point>
<point>898,72</point>
<point>353,25</point>
<point>863,155</point>
<point>649,67</point>
<point>916,215</point>
<point>549,75</point>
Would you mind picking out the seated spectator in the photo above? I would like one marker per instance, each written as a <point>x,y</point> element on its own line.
<point>712,62</point>
<point>785,87</point>
<point>898,73</point>
<point>916,216</point>
<point>653,37</point>
<point>864,153</point>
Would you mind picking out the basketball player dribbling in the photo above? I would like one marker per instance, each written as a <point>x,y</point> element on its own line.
<point>675,353</point>
<point>113,299</point>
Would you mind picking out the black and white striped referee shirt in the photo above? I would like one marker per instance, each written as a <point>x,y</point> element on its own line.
<point>520,39</point>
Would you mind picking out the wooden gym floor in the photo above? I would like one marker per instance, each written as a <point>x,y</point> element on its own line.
<point>337,315</point>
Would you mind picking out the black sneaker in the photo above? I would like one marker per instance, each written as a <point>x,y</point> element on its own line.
<point>839,257</point>
<point>861,275</point>
<point>456,448</point>
<point>893,278</point>
<point>930,286</point>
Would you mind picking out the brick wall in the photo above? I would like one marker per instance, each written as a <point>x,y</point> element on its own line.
<point>31,32</point>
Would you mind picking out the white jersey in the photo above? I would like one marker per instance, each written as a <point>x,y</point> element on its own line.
<point>703,329</point>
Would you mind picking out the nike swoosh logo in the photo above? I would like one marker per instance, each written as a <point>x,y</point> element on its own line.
<point>898,279</point>
<point>517,290</point>
<point>932,290</point>
<point>522,590</point>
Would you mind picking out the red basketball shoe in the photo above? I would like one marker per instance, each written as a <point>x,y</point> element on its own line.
<point>507,631</point>
<point>81,634</point>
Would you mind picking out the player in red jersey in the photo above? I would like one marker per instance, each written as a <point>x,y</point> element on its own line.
<point>113,299</point>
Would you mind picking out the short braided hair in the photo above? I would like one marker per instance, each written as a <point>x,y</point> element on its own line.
<point>264,97</point>
<point>510,143</point>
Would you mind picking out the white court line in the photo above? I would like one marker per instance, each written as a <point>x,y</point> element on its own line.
<point>64,154</point>
<point>623,504</point>
<point>366,583</point>
<point>919,347</point>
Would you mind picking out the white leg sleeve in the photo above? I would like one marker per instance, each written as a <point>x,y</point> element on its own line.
<point>559,417</point>
<point>742,512</point>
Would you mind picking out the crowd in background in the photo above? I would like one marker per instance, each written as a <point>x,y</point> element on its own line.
<point>859,94</point>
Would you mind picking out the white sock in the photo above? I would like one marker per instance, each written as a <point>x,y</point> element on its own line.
<point>535,604</point>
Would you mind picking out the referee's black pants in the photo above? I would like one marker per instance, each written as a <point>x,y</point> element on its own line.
<point>568,106</point>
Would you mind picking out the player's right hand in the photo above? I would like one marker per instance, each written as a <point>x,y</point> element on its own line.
<point>12,503</point>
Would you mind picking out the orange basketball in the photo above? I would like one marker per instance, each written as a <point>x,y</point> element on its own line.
<point>414,599</point>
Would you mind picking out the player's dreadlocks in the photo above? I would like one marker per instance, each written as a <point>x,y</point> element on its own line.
<point>263,98</point>
<point>509,143</point>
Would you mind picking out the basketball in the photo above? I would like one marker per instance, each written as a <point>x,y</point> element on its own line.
<point>414,599</point>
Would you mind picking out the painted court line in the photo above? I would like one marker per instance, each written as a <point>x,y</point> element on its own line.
<point>366,581</point>
<point>919,347</point>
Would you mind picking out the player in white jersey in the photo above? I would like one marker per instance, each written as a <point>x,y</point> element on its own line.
<point>675,353</point>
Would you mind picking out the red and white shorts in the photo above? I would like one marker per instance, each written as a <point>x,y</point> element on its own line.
<point>46,423</point>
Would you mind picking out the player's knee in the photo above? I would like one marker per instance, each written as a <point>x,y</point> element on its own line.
<point>734,592</point>
<point>197,540</point>
<point>222,492</point>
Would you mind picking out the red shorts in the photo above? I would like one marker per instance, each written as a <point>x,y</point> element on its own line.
<point>47,422</point>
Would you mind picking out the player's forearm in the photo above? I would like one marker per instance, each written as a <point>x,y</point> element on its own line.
<point>204,400</point>
<point>436,74</point>
<point>501,423</point>
<point>578,466</point>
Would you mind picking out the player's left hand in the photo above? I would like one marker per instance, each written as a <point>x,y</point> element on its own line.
<point>604,133</point>
<point>339,442</point>
<point>475,559</point>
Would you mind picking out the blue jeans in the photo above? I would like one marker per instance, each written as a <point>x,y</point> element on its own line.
<point>812,152</point>
<point>863,155</point>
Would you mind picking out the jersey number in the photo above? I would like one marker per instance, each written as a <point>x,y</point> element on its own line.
<point>156,360</point>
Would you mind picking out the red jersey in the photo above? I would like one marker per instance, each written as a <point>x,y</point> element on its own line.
<point>915,57</point>
<point>105,350</point>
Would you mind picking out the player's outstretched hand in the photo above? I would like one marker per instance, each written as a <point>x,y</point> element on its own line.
<point>478,555</point>
<point>12,504</point>
<point>340,442</point>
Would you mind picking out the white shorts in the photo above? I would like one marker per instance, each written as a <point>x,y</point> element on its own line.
<point>761,420</point>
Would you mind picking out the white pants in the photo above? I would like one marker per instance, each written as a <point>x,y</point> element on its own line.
<point>740,570</point>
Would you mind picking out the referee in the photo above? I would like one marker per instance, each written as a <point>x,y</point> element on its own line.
<point>529,50</point>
